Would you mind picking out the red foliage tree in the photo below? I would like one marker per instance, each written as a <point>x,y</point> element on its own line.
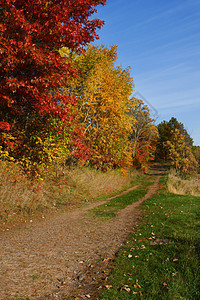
<point>32,72</point>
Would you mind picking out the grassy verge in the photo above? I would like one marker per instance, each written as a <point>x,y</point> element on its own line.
<point>161,260</point>
<point>111,207</point>
<point>187,186</point>
<point>21,197</point>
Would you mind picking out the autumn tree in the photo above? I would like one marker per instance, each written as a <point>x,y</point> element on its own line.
<point>181,154</point>
<point>32,107</point>
<point>103,91</point>
<point>166,129</point>
<point>196,152</point>
<point>144,134</point>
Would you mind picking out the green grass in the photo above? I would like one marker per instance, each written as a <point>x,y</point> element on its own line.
<point>161,260</point>
<point>111,207</point>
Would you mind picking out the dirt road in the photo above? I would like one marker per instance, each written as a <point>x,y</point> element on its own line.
<point>65,256</point>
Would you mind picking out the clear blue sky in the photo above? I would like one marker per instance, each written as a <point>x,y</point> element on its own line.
<point>160,41</point>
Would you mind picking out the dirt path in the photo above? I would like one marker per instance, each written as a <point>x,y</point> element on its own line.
<point>65,256</point>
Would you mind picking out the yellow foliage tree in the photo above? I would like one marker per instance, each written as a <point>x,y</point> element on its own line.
<point>103,93</point>
<point>181,155</point>
<point>144,134</point>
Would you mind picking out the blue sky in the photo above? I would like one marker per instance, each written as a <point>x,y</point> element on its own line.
<point>160,41</point>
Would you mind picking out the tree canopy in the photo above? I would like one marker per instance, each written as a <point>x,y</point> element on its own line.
<point>103,91</point>
<point>166,130</point>
<point>32,71</point>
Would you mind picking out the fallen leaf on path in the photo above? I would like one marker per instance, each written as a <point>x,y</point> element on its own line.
<point>137,285</point>
<point>130,279</point>
<point>175,259</point>
<point>107,259</point>
<point>108,286</point>
<point>125,288</point>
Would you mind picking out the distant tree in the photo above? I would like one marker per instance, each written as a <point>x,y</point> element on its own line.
<point>144,134</point>
<point>180,154</point>
<point>196,151</point>
<point>165,130</point>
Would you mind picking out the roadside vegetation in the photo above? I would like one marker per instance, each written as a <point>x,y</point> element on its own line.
<point>183,185</point>
<point>161,258</point>
<point>23,197</point>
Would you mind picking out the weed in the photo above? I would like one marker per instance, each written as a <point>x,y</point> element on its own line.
<point>35,276</point>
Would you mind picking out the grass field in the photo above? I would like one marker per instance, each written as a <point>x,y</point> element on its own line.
<point>161,260</point>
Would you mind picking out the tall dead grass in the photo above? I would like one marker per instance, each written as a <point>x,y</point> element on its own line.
<point>177,185</point>
<point>18,195</point>
<point>21,196</point>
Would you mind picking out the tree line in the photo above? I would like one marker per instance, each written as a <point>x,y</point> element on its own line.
<point>65,101</point>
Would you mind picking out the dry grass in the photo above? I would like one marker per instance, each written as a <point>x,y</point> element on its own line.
<point>18,195</point>
<point>179,186</point>
<point>98,183</point>
<point>21,196</point>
